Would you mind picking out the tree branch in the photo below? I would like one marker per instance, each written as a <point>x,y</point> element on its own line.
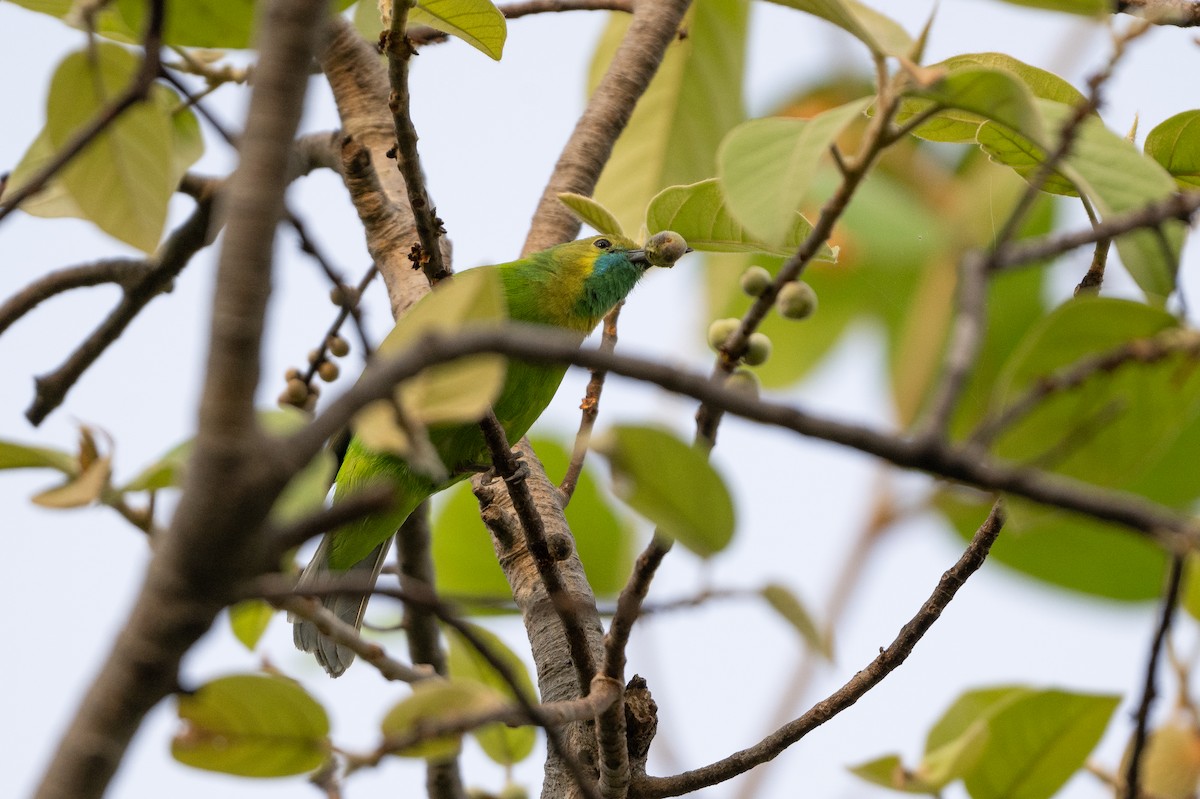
<point>176,253</point>
<point>226,495</point>
<point>124,272</point>
<point>1174,531</point>
<point>655,24</point>
<point>888,661</point>
<point>1170,601</point>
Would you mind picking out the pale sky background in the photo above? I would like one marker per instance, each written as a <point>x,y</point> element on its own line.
<point>71,576</point>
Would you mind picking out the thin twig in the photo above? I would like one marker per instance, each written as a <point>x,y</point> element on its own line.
<point>888,660</point>
<point>1175,531</point>
<point>343,634</point>
<point>175,254</point>
<point>399,51</point>
<point>1170,600</point>
<point>1179,207</point>
<point>1138,351</point>
<point>590,408</point>
<point>124,272</point>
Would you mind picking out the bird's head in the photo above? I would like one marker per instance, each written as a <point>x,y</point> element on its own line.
<point>609,266</point>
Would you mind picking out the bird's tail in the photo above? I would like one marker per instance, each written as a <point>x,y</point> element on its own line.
<point>335,658</point>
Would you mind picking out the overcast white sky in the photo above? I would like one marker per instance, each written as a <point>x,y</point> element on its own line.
<point>71,576</point>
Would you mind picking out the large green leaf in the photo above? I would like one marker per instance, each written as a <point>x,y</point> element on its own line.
<point>1175,143</point>
<point>477,22</point>
<point>505,745</point>
<point>221,24</point>
<point>1009,741</point>
<point>694,99</point>
<point>1037,742</point>
<point>460,391</point>
<point>698,213</point>
<point>252,725</point>
<point>970,95</point>
<point>1114,176</point>
<point>123,180</point>
<point>767,166</point>
<point>671,484</point>
<point>879,33</point>
<point>462,550</point>
<point>1115,425</point>
<point>438,702</point>
<point>55,199</point>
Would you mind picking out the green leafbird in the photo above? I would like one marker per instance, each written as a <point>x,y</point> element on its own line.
<point>571,287</point>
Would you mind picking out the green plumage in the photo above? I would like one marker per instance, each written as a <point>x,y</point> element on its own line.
<point>571,286</point>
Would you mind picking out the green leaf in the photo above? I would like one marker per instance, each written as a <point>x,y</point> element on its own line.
<point>1175,144</point>
<point>220,24</point>
<point>123,180</point>
<point>694,99</point>
<point>166,472</point>
<point>1114,176</point>
<point>505,745</point>
<point>889,772</point>
<point>80,490</point>
<point>880,34</point>
<point>1040,83</point>
<point>465,562</point>
<point>1037,742</point>
<point>671,484</point>
<point>971,95</point>
<point>460,391</point>
<point>1115,425</point>
<point>477,22</point>
<point>1090,8</point>
<point>252,725</point>
<point>789,606</point>
<point>249,620</point>
<point>698,213</point>
<point>438,701</point>
<point>24,456</point>
<point>54,200</point>
<point>55,8</point>
<point>766,166</point>
<point>592,213</point>
<point>1064,549</point>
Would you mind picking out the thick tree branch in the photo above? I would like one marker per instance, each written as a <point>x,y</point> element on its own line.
<point>1180,13</point>
<point>227,494</point>
<point>655,24</point>
<point>888,661</point>
<point>360,88</point>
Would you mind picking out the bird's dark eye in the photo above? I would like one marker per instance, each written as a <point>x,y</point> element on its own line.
<point>603,244</point>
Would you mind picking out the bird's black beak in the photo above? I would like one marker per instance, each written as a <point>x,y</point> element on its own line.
<point>639,257</point>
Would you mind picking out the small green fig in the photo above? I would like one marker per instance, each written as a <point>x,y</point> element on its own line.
<point>719,330</point>
<point>796,301</point>
<point>758,349</point>
<point>296,391</point>
<point>744,380</point>
<point>665,248</point>
<point>755,281</point>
